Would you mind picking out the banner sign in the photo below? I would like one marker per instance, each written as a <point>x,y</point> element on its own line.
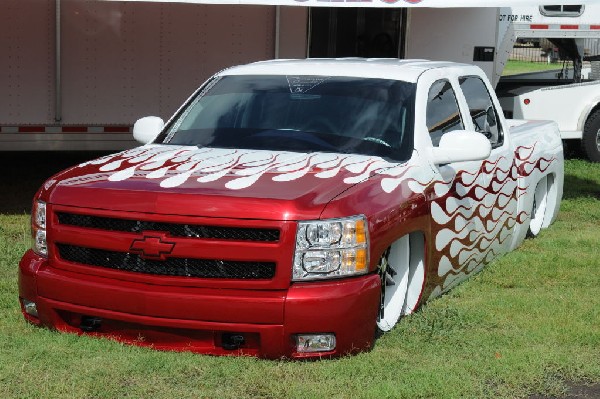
<point>379,3</point>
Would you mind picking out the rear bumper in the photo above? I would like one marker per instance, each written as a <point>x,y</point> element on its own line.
<point>195,319</point>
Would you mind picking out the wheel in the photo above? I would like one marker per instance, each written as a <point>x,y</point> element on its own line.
<point>590,142</point>
<point>538,211</point>
<point>394,283</point>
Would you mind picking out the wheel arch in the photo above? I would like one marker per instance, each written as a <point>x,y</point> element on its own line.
<point>417,272</point>
<point>554,197</point>
<point>587,113</point>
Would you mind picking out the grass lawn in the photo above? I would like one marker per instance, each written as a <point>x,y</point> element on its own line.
<point>516,67</point>
<point>528,323</point>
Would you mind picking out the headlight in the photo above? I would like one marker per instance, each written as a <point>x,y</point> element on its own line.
<point>38,228</point>
<point>331,248</point>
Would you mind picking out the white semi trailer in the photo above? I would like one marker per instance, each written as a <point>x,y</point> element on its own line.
<point>570,96</point>
<point>77,74</point>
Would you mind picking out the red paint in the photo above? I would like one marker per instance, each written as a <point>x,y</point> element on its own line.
<point>182,313</point>
<point>194,319</point>
<point>74,129</point>
<point>116,129</point>
<point>152,246</point>
<point>192,314</point>
<point>32,129</point>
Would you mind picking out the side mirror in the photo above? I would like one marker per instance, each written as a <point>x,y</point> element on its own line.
<point>461,146</point>
<point>146,129</point>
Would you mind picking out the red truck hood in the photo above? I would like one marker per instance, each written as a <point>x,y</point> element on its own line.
<point>213,182</point>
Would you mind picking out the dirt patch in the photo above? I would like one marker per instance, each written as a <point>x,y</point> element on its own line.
<point>576,391</point>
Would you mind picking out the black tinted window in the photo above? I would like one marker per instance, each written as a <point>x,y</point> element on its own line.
<point>300,113</point>
<point>443,114</point>
<point>562,10</point>
<point>482,110</point>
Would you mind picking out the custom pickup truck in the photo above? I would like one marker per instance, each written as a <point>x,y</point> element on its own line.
<point>291,208</point>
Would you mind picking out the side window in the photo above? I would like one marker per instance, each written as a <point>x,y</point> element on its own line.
<point>482,110</point>
<point>443,114</point>
<point>562,11</point>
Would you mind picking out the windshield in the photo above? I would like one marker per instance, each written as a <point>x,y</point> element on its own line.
<point>299,113</point>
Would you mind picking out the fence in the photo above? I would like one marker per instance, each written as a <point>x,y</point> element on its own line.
<point>535,50</point>
<point>543,51</point>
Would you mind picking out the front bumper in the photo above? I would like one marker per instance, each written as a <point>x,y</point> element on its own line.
<point>200,319</point>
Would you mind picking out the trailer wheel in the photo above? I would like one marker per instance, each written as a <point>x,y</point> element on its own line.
<point>590,143</point>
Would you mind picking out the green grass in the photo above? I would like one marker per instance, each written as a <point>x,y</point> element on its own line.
<point>527,323</point>
<point>516,67</point>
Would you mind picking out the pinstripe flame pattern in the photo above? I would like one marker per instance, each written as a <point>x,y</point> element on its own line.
<point>239,169</point>
<point>475,211</point>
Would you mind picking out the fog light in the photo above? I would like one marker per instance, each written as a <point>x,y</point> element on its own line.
<point>30,307</point>
<point>309,343</point>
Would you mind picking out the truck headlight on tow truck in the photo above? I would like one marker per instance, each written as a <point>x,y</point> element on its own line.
<point>38,228</point>
<point>331,248</point>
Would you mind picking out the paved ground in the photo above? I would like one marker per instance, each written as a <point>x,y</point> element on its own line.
<point>22,173</point>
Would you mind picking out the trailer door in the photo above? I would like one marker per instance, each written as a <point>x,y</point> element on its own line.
<point>357,32</point>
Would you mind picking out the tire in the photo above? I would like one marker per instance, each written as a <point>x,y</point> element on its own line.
<point>590,142</point>
<point>538,211</point>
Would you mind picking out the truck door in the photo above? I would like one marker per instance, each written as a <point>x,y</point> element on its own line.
<point>457,196</point>
<point>499,172</point>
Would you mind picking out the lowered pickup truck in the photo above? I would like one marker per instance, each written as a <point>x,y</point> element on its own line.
<point>290,209</point>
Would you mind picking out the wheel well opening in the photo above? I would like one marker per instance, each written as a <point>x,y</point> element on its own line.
<point>552,199</point>
<point>595,109</point>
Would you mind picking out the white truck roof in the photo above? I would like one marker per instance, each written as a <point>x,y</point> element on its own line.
<point>383,68</point>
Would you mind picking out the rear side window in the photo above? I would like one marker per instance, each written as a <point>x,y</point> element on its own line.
<point>443,114</point>
<point>482,110</point>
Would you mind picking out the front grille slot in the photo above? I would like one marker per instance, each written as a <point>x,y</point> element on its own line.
<point>174,229</point>
<point>181,267</point>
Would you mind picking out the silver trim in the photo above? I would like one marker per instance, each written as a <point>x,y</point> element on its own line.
<point>277,29</point>
<point>57,74</point>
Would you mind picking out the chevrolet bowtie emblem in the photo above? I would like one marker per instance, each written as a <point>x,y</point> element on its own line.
<point>152,246</point>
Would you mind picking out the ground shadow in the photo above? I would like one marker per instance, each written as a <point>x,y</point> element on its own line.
<point>576,187</point>
<point>24,172</point>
